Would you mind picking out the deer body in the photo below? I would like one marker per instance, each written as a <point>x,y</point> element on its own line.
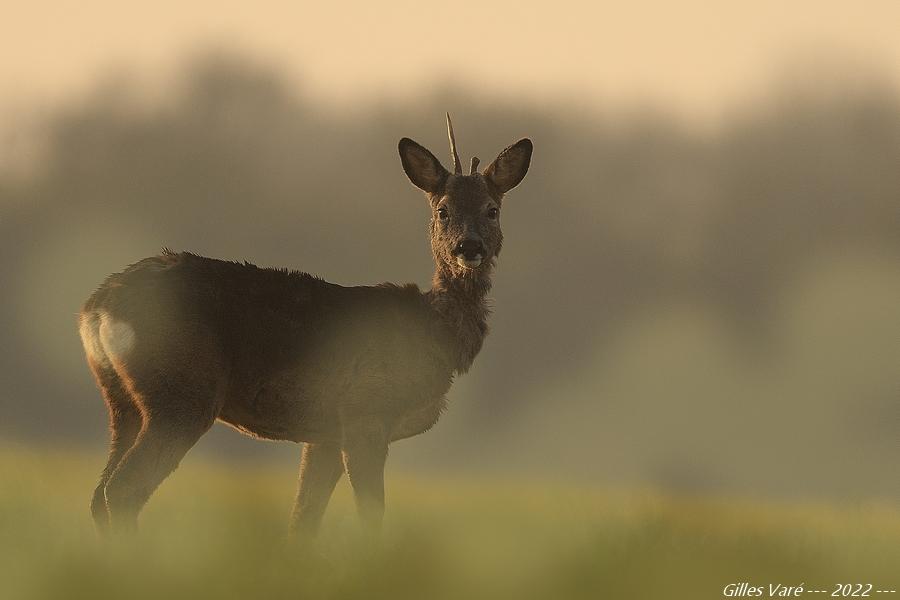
<point>177,341</point>
<point>295,351</point>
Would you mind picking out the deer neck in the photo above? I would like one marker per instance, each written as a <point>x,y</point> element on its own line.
<point>461,303</point>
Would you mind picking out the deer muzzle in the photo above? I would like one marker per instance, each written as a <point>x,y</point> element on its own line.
<point>469,253</point>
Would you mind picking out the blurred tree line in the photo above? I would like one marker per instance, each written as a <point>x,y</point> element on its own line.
<point>620,213</point>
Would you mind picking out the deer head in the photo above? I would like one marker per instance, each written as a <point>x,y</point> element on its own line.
<point>465,209</point>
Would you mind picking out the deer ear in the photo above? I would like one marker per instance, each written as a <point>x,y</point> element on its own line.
<point>508,170</point>
<point>422,168</point>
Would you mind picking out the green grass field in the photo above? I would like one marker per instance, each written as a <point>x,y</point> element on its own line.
<point>213,531</point>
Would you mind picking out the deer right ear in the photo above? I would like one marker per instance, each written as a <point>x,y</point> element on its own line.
<point>509,169</point>
<point>423,169</point>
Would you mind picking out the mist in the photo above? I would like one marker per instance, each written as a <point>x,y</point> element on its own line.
<point>684,307</point>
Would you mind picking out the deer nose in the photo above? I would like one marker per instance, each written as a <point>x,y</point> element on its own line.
<point>470,249</point>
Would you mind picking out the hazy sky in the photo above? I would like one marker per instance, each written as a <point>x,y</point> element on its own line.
<point>693,55</point>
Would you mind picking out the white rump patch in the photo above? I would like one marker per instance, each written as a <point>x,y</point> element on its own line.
<point>116,337</point>
<point>90,338</point>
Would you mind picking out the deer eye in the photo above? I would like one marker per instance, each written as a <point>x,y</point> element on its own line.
<point>443,215</point>
<point>493,213</point>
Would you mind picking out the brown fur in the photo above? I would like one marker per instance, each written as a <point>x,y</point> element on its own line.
<point>177,341</point>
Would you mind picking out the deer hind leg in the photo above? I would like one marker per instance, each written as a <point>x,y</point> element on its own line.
<point>125,423</point>
<point>174,419</point>
<point>320,469</point>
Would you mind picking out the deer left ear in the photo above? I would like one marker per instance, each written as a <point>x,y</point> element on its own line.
<point>422,168</point>
<point>509,168</point>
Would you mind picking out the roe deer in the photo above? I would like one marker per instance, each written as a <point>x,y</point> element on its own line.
<point>177,341</point>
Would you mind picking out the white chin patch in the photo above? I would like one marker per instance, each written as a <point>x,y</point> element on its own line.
<point>468,264</point>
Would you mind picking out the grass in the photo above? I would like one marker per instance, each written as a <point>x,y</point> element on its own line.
<point>218,532</point>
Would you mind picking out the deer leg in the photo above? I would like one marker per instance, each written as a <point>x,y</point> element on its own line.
<point>125,422</point>
<point>365,451</point>
<point>320,469</point>
<point>171,428</point>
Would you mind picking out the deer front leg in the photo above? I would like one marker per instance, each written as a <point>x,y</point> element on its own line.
<point>365,451</point>
<point>320,469</point>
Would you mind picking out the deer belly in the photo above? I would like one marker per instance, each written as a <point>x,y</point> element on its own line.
<point>282,411</point>
<point>420,419</point>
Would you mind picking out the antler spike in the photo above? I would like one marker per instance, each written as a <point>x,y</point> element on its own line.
<point>457,166</point>
<point>474,168</point>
